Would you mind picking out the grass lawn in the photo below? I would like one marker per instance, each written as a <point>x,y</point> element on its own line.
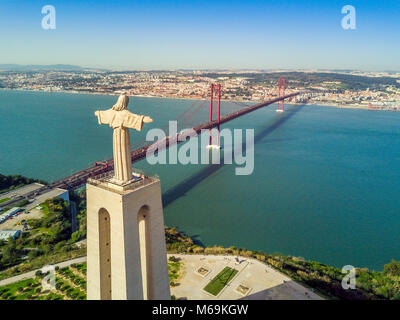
<point>27,290</point>
<point>220,281</point>
<point>173,270</point>
<point>69,285</point>
<point>48,231</point>
<point>4,200</point>
<point>11,291</point>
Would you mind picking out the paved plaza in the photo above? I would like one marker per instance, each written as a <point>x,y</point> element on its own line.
<point>254,281</point>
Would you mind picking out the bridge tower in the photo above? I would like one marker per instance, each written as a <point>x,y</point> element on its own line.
<point>215,115</point>
<point>281,89</point>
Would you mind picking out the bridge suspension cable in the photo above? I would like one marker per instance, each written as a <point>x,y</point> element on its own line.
<point>106,161</point>
<point>79,178</point>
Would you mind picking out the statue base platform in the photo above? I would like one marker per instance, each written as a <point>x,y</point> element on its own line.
<point>108,181</point>
<point>213,146</point>
<point>122,186</point>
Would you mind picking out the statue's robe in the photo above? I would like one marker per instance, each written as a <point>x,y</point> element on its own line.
<point>121,121</point>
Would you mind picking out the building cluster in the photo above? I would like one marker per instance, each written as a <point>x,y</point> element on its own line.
<point>5,235</point>
<point>195,85</point>
<point>9,213</point>
<point>371,99</point>
<point>15,217</point>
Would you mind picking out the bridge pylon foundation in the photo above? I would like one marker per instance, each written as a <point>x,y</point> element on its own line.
<point>126,250</point>
<point>213,146</point>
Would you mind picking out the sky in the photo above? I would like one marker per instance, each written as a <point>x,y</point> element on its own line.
<point>143,35</point>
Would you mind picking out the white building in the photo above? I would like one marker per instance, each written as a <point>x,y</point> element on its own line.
<point>9,213</point>
<point>7,234</point>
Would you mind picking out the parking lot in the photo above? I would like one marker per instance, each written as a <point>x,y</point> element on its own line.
<point>29,211</point>
<point>14,223</point>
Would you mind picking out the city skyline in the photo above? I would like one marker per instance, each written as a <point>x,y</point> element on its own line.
<point>60,67</point>
<point>202,35</point>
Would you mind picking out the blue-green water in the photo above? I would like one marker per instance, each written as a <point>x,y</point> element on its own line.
<point>325,186</point>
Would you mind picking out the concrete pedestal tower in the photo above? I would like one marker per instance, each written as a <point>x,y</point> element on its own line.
<point>126,254</point>
<point>126,251</point>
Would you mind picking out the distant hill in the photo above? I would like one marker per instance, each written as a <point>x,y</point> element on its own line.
<point>57,67</point>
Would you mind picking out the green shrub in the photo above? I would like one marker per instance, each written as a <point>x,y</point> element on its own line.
<point>392,268</point>
<point>6,295</point>
<point>39,273</point>
<point>64,287</point>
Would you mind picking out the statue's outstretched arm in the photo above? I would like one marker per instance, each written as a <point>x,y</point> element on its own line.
<point>147,119</point>
<point>97,114</point>
<point>106,116</point>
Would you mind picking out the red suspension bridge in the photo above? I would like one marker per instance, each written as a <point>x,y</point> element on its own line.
<point>139,150</point>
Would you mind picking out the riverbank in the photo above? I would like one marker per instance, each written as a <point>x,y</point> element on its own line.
<point>335,105</point>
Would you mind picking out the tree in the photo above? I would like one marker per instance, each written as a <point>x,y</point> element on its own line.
<point>10,253</point>
<point>76,236</point>
<point>33,254</point>
<point>392,268</point>
<point>38,273</point>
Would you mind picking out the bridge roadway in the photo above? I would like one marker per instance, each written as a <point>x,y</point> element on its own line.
<point>79,178</point>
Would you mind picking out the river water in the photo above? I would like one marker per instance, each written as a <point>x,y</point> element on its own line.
<point>325,184</point>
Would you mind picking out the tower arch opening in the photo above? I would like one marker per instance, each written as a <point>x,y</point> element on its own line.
<point>105,254</point>
<point>144,248</point>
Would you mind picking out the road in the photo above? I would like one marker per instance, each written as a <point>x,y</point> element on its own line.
<point>19,194</point>
<point>27,191</point>
<point>31,274</point>
<point>39,199</point>
<point>74,222</point>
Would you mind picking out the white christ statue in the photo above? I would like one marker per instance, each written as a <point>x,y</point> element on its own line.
<point>121,119</point>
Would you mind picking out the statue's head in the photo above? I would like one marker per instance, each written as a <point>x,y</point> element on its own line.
<point>122,103</point>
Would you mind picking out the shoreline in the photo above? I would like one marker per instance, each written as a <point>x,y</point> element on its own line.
<point>333,105</point>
